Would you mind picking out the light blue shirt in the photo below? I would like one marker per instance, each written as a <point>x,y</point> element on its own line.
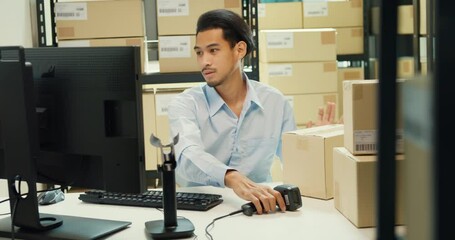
<point>212,139</point>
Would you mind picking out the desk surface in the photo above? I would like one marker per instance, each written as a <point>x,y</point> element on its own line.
<point>316,219</point>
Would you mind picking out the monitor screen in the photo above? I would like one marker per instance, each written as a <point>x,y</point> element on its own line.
<point>89,109</point>
<point>72,117</point>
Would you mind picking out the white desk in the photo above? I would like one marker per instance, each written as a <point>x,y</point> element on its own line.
<point>317,219</point>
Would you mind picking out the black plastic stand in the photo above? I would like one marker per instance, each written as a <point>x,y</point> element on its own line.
<point>170,227</point>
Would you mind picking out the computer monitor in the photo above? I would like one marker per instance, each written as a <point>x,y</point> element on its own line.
<point>71,117</point>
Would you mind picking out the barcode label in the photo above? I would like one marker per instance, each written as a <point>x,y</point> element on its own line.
<point>174,47</point>
<point>280,40</point>
<point>315,9</point>
<point>365,141</point>
<point>280,70</point>
<point>168,8</point>
<point>70,14</point>
<point>365,147</point>
<point>71,11</point>
<point>170,49</point>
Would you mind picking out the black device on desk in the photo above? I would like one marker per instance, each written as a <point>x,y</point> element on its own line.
<point>69,117</point>
<point>290,193</point>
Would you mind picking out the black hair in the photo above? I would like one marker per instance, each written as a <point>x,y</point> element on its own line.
<point>234,28</point>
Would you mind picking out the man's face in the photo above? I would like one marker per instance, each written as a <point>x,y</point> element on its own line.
<point>217,60</point>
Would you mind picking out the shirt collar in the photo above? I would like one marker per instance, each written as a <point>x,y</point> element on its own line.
<point>216,102</point>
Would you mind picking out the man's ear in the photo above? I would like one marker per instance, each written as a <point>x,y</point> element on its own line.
<point>241,49</point>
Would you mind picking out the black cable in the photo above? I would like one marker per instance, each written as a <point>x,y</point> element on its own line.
<point>209,236</point>
<point>13,214</point>
<point>16,203</point>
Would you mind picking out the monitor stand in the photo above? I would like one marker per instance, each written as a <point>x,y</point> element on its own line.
<point>71,228</point>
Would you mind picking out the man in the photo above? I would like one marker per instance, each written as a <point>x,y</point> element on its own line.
<point>230,127</point>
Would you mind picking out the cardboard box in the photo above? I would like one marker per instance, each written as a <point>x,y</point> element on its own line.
<point>354,187</point>
<point>423,17</point>
<point>332,14</point>
<point>103,42</point>
<point>360,117</point>
<point>99,19</point>
<point>288,13</point>
<point>306,106</point>
<point>300,77</point>
<point>423,67</point>
<point>349,40</point>
<point>405,67</point>
<point>180,17</point>
<point>307,159</point>
<point>347,73</point>
<point>405,19</point>
<point>297,45</point>
<point>176,54</point>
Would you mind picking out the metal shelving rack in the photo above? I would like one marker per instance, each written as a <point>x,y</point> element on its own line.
<point>42,26</point>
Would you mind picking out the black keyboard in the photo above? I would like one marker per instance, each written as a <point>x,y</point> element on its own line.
<point>154,199</point>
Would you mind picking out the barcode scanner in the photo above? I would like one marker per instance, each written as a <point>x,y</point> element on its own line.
<point>290,193</point>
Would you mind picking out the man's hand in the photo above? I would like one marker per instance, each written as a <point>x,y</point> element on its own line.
<point>263,197</point>
<point>325,117</point>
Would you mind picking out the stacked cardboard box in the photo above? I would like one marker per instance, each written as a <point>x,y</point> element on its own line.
<point>354,164</point>
<point>347,73</point>
<point>354,178</point>
<point>301,63</point>
<point>307,159</point>
<point>405,67</point>
<point>102,23</point>
<point>405,19</point>
<point>345,16</point>
<point>280,15</point>
<point>177,28</point>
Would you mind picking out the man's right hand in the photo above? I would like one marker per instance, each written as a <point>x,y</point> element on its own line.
<point>264,198</point>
